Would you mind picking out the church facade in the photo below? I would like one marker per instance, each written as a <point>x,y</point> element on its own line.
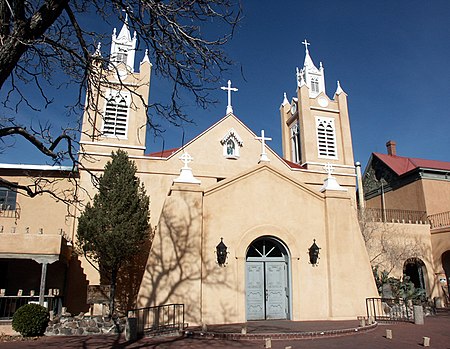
<point>240,232</point>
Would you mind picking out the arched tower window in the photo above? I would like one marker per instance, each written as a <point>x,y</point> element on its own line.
<point>326,137</point>
<point>116,116</point>
<point>315,85</point>
<point>295,143</point>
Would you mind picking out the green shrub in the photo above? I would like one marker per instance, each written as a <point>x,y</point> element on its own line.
<point>30,320</point>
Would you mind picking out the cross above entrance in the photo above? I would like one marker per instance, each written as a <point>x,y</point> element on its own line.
<point>229,89</point>
<point>263,140</point>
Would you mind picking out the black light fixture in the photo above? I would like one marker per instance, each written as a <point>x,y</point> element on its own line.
<point>314,254</point>
<point>221,251</point>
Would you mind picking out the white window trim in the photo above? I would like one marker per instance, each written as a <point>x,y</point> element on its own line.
<point>234,136</point>
<point>329,121</point>
<point>127,97</point>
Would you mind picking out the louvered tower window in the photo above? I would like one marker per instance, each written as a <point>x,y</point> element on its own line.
<point>326,137</point>
<point>116,116</point>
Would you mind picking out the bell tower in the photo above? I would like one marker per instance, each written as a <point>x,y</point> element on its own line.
<point>315,128</point>
<point>115,114</point>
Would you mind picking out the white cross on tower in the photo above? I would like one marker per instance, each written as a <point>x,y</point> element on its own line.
<point>229,89</point>
<point>186,158</point>
<point>306,43</point>
<point>263,147</point>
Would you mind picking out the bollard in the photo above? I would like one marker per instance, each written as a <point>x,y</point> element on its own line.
<point>418,315</point>
<point>362,322</point>
<point>426,341</point>
<point>389,334</point>
<point>268,343</point>
<point>131,329</point>
<point>204,328</point>
<point>244,330</point>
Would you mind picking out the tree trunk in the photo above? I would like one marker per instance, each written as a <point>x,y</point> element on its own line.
<point>113,291</point>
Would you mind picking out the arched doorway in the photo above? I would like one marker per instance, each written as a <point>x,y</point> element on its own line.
<point>446,266</point>
<point>267,280</point>
<point>415,269</point>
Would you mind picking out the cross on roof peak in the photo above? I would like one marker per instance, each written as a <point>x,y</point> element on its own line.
<point>229,89</point>
<point>263,140</point>
<point>306,43</point>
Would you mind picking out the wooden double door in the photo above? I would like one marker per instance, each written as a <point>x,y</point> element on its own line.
<point>267,293</point>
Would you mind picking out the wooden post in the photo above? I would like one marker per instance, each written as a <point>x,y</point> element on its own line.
<point>42,286</point>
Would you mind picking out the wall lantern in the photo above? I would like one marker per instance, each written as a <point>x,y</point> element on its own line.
<point>314,254</point>
<point>221,251</point>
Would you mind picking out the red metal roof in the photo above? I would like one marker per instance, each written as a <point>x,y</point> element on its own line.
<point>401,165</point>
<point>293,164</point>
<point>163,153</point>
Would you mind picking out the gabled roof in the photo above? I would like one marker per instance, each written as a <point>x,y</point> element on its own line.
<point>401,164</point>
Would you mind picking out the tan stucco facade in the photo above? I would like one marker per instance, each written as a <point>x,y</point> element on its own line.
<point>237,196</point>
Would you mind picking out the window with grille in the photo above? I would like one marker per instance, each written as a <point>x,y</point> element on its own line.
<point>326,137</point>
<point>116,116</point>
<point>295,143</point>
<point>8,199</point>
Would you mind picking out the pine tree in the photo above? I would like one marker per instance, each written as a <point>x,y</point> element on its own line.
<point>112,230</point>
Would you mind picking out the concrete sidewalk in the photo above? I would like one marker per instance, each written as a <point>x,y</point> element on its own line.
<point>405,336</point>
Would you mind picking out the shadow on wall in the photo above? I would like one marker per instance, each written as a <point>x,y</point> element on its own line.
<point>76,291</point>
<point>176,264</point>
<point>129,279</point>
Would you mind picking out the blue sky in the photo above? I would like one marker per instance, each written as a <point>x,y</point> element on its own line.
<point>391,57</point>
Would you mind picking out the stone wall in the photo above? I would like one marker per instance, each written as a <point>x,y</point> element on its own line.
<point>80,325</point>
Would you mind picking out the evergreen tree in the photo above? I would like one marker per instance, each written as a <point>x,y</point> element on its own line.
<point>112,230</point>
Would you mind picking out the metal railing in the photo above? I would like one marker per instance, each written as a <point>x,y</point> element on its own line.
<point>439,220</point>
<point>7,212</point>
<point>159,319</point>
<point>9,304</point>
<point>395,216</point>
<point>389,310</point>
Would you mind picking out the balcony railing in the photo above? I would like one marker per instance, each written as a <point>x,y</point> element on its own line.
<point>7,212</point>
<point>439,220</point>
<point>9,304</point>
<point>394,216</point>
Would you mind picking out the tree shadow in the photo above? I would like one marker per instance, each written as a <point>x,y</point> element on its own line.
<point>177,267</point>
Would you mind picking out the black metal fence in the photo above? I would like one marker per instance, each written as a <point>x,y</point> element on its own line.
<point>389,310</point>
<point>9,304</point>
<point>159,319</point>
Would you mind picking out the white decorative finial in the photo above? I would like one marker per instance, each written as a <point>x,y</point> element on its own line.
<point>285,100</point>
<point>146,59</point>
<point>339,89</point>
<point>306,43</point>
<point>330,182</point>
<point>263,157</point>
<point>98,51</point>
<point>186,175</point>
<point>229,89</point>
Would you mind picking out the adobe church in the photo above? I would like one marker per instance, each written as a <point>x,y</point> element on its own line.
<point>241,233</point>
